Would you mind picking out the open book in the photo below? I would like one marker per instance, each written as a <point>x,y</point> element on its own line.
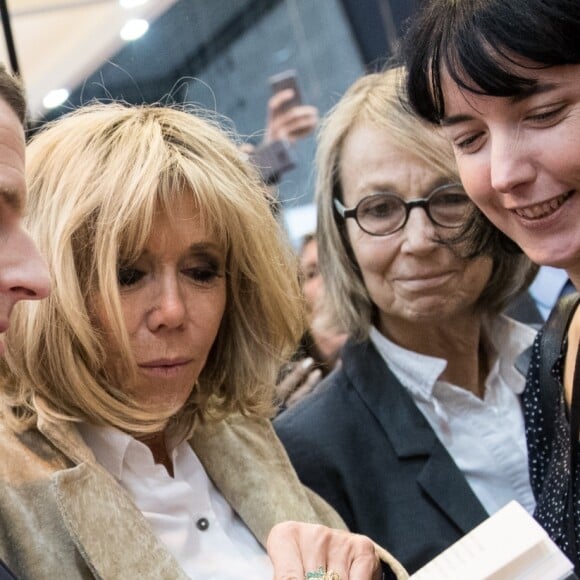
<point>509,545</point>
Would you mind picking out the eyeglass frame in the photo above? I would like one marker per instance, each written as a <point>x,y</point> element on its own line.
<point>422,202</point>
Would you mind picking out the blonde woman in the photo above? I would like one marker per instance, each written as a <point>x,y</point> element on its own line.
<point>419,435</point>
<point>135,437</point>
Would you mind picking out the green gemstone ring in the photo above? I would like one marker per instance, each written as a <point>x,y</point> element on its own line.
<point>320,573</point>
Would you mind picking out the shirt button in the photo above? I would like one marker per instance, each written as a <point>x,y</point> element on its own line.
<point>202,524</point>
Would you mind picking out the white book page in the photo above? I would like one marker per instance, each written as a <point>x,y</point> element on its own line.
<point>510,545</point>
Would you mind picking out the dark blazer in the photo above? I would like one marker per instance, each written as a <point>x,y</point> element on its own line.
<point>5,572</point>
<point>361,443</point>
<point>524,309</point>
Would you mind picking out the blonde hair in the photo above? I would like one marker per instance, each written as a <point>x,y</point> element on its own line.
<point>378,100</point>
<point>96,178</point>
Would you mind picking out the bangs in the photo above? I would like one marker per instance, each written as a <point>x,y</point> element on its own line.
<point>176,182</point>
<point>479,64</point>
<point>488,60</point>
<point>491,48</point>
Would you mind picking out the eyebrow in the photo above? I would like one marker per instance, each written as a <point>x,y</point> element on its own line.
<point>535,89</point>
<point>204,247</point>
<point>196,249</point>
<point>385,187</point>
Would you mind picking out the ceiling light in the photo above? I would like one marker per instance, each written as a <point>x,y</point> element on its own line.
<point>128,4</point>
<point>55,98</point>
<point>134,29</point>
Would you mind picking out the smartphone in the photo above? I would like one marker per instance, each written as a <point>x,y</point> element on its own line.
<point>272,160</point>
<point>287,79</point>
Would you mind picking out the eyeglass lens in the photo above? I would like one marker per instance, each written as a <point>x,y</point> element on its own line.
<point>381,214</point>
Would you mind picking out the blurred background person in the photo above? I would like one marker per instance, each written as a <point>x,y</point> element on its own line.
<point>287,121</point>
<point>418,436</point>
<point>135,434</point>
<point>319,348</point>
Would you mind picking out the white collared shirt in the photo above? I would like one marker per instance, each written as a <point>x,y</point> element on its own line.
<point>485,438</point>
<point>186,512</point>
<point>547,287</point>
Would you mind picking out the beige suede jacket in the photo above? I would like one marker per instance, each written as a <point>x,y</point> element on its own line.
<point>63,516</point>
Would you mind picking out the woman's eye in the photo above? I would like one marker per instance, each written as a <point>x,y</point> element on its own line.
<point>379,207</point>
<point>311,273</point>
<point>129,276</point>
<point>546,115</point>
<point>203,274</point>
<point>467,144</point>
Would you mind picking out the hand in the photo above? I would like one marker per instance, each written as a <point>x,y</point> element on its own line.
<point>298,382</point>
<point>297,548</point>
<point>290,124</point>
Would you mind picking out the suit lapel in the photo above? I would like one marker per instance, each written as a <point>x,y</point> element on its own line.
<point>396,412</point>
<point>446,486</point>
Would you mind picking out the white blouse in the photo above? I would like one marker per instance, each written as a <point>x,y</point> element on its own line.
<point>186,512</point>
<point>485,437</point>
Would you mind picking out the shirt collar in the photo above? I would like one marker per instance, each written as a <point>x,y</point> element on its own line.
<point>419,373</point>
<point>510,338</point>
<point>547,286</point>
<point>109,445</point>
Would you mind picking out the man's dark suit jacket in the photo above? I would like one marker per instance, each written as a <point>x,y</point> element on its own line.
<point>361,443</point>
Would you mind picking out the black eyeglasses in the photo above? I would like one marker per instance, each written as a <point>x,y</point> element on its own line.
<point>382,214</point>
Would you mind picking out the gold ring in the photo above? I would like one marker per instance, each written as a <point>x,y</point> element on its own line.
<point>322,574</point>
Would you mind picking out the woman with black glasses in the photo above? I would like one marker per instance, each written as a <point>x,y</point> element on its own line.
<point>419,435</point>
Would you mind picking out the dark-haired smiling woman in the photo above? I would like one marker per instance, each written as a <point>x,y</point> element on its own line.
<point>502,79</point>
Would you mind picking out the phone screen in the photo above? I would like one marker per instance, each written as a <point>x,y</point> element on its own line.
<point>287,80</point>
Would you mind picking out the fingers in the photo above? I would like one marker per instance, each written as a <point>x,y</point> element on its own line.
<point>311,381</point>
<point>278,102</point>
<point>297,122</point>
<point>290,123</point>
<point>284,552</point>
<point>294,378</point>
<point>247,148</point>
<point>366,565</point>
<point>297,548</point>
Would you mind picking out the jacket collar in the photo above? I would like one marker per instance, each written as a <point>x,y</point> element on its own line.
<point>89,498</point>
<point>90,502</point>
<point>249,446</point>
<point>392,406</point>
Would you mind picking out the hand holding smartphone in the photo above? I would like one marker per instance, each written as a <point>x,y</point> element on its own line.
<point>287,79</point>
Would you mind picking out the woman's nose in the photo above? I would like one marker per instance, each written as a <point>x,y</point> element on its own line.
<point>168,309</point>
<point>511,162</point>
<point>419,232</point>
